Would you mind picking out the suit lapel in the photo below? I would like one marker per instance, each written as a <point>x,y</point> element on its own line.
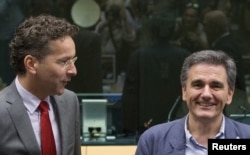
<point>61,112</point>
<point>22,122</point>
<point>230,130</point>
<point>65,116</point>
<point>177,138</point>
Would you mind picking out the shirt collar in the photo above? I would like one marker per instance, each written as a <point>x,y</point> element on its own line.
<point>30,101</point>
<point>219,135</point>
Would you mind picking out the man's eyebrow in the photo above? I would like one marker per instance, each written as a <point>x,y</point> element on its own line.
<point>217,83</point>
<point>196,81</point>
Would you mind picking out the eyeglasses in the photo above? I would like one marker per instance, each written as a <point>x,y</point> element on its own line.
<point>192,5</point>
<point>65,64</point>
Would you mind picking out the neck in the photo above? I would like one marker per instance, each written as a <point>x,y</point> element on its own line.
<point>204,129</point>
<point>30,86</point>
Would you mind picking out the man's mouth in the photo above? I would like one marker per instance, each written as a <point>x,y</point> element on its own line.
<point>65,82</point>
<point>206,104</point>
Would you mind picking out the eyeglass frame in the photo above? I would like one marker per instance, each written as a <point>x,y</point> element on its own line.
<point>65,64</point>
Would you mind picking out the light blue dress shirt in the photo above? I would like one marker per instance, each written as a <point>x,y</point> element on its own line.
<point>31,103</point>
<point>193,147</point>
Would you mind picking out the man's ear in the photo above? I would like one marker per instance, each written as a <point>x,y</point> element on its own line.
<point>183,88</point>
<point>230,96</point>
<point>30,64</point>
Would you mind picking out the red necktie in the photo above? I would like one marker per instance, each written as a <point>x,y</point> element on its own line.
<point>47,139</point>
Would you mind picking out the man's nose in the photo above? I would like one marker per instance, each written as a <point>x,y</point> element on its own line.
<point>72,70</point>
<point>206,92</point>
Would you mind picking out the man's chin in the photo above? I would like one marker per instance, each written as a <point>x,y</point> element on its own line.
<point>60,91</point>
<point>205,114</point>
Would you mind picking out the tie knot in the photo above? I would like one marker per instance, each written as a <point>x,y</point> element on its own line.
<point>43,107</point>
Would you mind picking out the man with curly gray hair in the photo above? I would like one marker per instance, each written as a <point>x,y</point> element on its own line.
<point>42,53</point>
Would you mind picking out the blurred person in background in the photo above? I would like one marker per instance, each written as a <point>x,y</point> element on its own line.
<point>116,33</point>
<point>216,26</point>
<point>189,32</point>
<point>10,16</point>
<point>151,86</point>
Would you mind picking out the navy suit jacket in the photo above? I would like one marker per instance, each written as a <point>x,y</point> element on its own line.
<point>16,132</point>
<point>169,138</point>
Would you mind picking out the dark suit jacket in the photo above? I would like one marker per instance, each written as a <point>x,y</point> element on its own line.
<point>230,45</point>
<point>152,85</point>
<point>16,132</point>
